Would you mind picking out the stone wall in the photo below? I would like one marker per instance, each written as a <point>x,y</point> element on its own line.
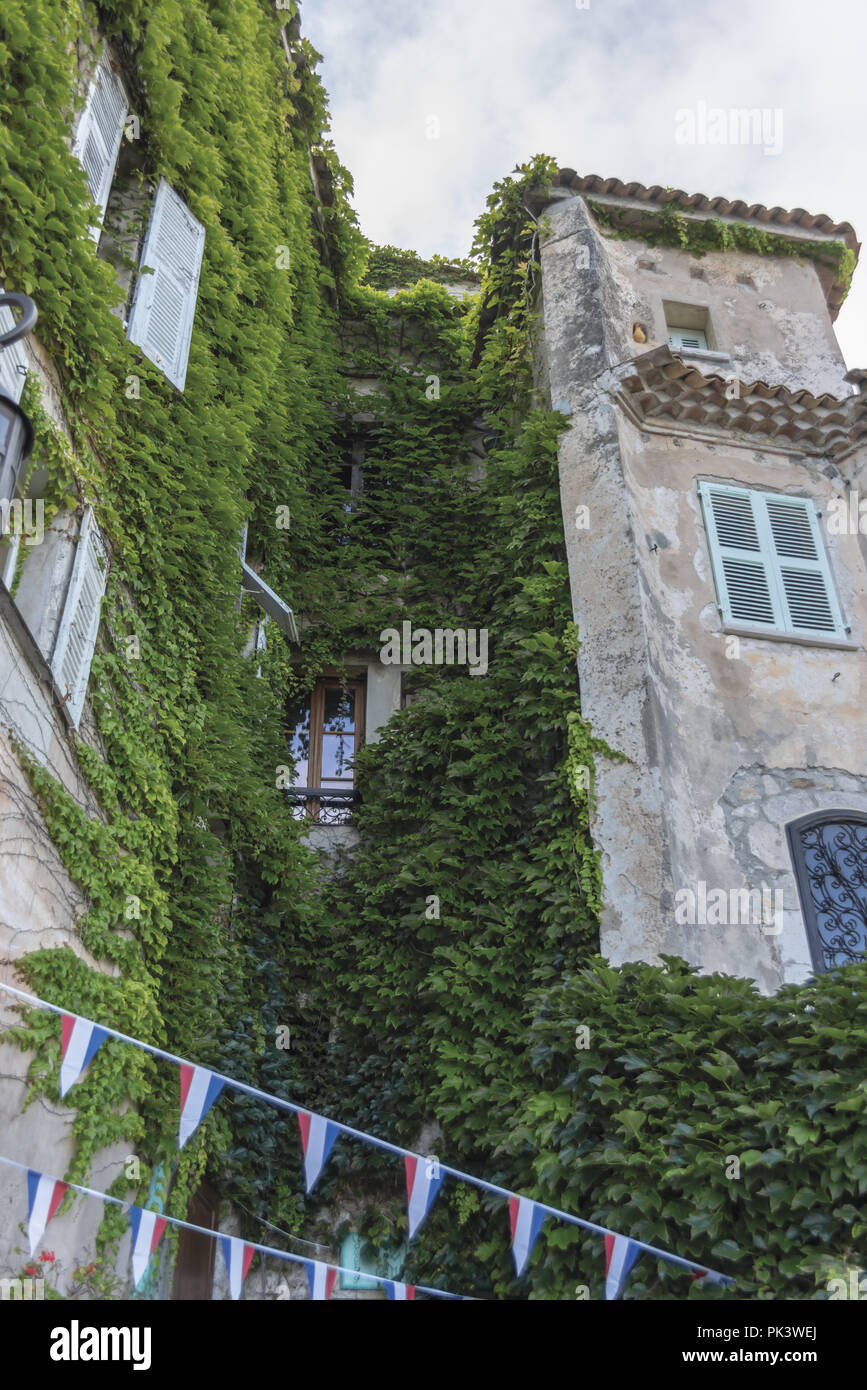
<point>661,680</point>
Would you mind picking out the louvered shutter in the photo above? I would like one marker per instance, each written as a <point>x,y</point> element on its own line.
<point>769,563</point>
<point>253,583</point>
<point>79,623</point>
<point>807,588</point>
<point>161,322</point>
<point>99,134</point>
<point>13,363</point>
<point>687,339</point>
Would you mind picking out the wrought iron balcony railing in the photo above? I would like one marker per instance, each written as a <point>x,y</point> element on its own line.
<point>325,805</point>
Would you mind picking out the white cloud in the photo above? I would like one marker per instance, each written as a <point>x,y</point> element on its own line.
<point>598,88</point>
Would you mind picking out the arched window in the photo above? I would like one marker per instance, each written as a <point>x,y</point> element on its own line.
<point>829,850</point>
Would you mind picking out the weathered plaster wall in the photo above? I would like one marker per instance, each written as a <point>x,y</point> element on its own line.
<point>721,706</point>
<point>39,909</point>
<point>726,742</point>
<point>769,315</point>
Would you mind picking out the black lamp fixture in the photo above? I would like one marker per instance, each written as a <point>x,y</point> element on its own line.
<point>16,430</point>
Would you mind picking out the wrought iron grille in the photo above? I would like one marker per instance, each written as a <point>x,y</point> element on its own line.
<point>326,805</point>
<point>830,853</point>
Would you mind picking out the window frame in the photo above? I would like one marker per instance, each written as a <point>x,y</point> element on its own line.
<point>794,830</point>
<point>356,680</point>
<point>772,565</point>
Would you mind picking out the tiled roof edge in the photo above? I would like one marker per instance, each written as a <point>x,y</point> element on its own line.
<point>777,217</point>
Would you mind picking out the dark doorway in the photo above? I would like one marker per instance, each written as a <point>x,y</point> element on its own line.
<point>194,1268</point>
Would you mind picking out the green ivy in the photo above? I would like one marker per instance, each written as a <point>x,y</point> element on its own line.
<point>669,226</point>
<point>210,922</point>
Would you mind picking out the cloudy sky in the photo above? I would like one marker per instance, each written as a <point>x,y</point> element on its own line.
<point>597,84</point>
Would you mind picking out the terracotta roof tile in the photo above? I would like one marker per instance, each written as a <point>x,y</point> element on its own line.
<point>719,207</point>
<point>661,385</point>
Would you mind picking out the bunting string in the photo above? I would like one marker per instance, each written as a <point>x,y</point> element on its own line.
<point>46,1192</point>
<point>200,1087</point>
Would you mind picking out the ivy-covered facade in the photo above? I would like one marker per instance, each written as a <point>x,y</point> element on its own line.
<point>379,441</point>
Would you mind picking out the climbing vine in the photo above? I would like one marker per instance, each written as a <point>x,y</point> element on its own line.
<point>431,980</point>
<point>669,226</point>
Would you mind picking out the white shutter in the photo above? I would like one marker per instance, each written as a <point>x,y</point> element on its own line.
<point>97,140</point>
<point>161,321</point>
<point>13,363</point>
<point>687,339</point>
<point>79,623</point>
<point>770,567</point>
<point>9,559</point>
<point>253,583</point>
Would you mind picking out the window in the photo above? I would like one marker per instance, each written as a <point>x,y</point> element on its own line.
<point>688,327</point>
<point>161,320</point>
<point>771,571</point>
<point>687,339</point>
<point>326,730</point>
<point>79,623</point>
<point>99,133</point>
<point>829,851</point>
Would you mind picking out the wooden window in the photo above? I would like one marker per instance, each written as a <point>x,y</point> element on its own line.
<point>326,729</point>
<point>769,563</point>
<point>161,321</point>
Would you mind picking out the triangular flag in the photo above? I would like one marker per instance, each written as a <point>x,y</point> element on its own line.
<point>620,1255</point>
<point>711,1276</point>
<point>147,1228</point>
<point>44,1196</point>
<point>79,1041</point>
<point>526,1218</point>
<point>237,1255</point>
<point>399,1292</point>
<point>199,1090</point>
<point>320,1278</point>
<point>421,1188</point>
<point>318,1136</point>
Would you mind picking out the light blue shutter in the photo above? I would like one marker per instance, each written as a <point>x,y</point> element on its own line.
<point>161,321</point>
<point>769,564</point>
<point>79,622</point>
<point>807,592</point>
<point>97,140</point>
<point>687,339</point>
<point>744,585</point>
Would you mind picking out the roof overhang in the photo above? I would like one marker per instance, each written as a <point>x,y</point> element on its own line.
<point>634,206</point>
<point>661,389</point>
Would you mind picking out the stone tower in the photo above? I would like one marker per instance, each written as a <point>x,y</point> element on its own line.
<point>709,480</point>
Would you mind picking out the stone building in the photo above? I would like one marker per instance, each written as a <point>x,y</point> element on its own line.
<point>710,484</point>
